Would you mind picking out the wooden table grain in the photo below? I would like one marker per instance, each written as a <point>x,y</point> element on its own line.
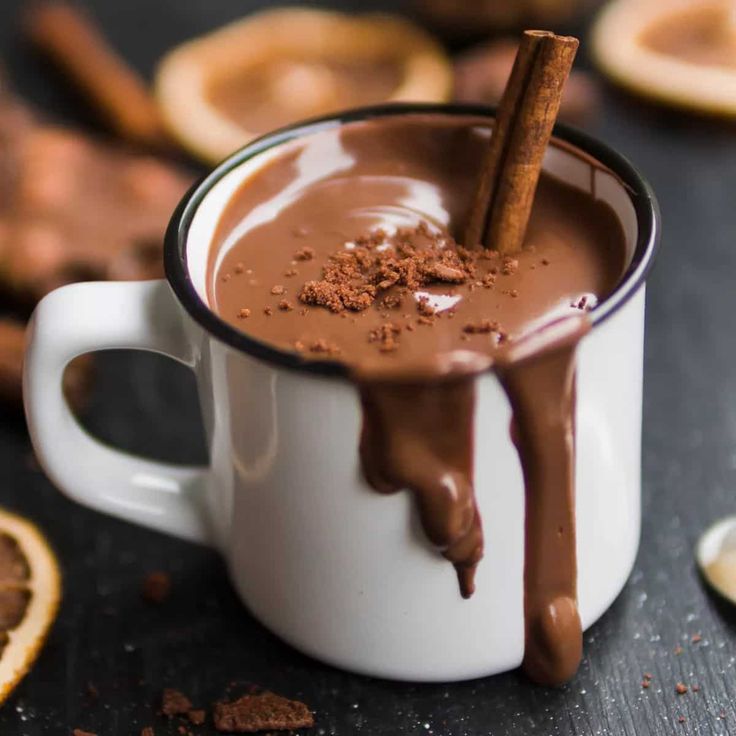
<point>202,639</point>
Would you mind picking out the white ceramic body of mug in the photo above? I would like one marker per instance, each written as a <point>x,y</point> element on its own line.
<point>339,571</point>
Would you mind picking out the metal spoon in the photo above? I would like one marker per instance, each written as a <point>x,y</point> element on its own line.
<point>716,556</point>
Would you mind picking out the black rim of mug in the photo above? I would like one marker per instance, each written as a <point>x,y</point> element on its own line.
<point>175,244</point>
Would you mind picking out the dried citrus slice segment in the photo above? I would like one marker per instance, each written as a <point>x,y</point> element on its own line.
<point>30,590</point>
<point>716,556</point>
<point>276,67</point>
<point>681,52</point>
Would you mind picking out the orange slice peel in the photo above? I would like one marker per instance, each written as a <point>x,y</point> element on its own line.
<point>304,37</point>
<point>30,593</point>
<point>622,51</point>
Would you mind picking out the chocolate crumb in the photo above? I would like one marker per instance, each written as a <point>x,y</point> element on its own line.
<point>305,254</point>
<point>197,717</point>
<point>645,684</point>
<point>156,587</point>
<point>442,272</point>
<point>545,261</point>
<point>696,638</point>
<point>337,297</point>
<point>681,719</point>
<point>386,336</point>
<point>285,305</point>
<point>277,290</point>
<point>268,311</point>
<point>239,268</point>
<point>392,301</point>
<point>262,712</point>
<point>680,688</point>
<point>324,346</point>
<point>291,272</point>
<point>482,327</point>
<point>244,314</point>
<point>424,307</point>
<point>648,676</point>
<point>175,703</point>
<point>226,277</point>
<point>510,266</point>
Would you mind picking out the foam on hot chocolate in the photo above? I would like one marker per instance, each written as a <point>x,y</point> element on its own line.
<point>342,248</point>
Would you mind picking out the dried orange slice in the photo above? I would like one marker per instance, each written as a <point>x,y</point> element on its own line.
<point>716,556</point>
<point>30,591</point>
<point>219,91</point>
<point>680,52</point>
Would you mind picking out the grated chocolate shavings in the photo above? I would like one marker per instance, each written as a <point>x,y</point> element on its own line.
<point>386,336</point>
<point>175,703</point>
<point>510,266</point>
<point>324,346</point>
<point>305,254</point>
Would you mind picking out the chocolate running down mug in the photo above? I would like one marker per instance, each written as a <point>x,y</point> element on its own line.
<point>338,571</point>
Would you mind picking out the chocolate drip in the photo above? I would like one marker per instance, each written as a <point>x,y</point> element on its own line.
<point>541,389</point>
<point>419,436</point>
<point>415,340</point>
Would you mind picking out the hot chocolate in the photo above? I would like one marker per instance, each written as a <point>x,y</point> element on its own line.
<point>342,247</point>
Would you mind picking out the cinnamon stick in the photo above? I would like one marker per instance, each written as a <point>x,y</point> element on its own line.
<point>72,41</point>
<point>524,123</point>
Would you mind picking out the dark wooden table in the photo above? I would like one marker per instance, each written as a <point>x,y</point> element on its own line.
<point>202,639</point>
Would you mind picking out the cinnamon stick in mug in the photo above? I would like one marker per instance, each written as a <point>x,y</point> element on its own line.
<point>71,40</point>
<point>524,123</point>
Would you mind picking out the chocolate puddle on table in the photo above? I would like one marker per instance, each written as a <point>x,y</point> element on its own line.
<point>341,248</point>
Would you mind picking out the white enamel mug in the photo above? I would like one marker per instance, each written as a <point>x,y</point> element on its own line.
<point>337,570</point>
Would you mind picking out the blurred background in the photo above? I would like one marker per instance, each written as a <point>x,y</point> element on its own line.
<point>101,132</point>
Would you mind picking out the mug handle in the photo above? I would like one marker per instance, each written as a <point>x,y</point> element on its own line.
<point>82,318</point>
